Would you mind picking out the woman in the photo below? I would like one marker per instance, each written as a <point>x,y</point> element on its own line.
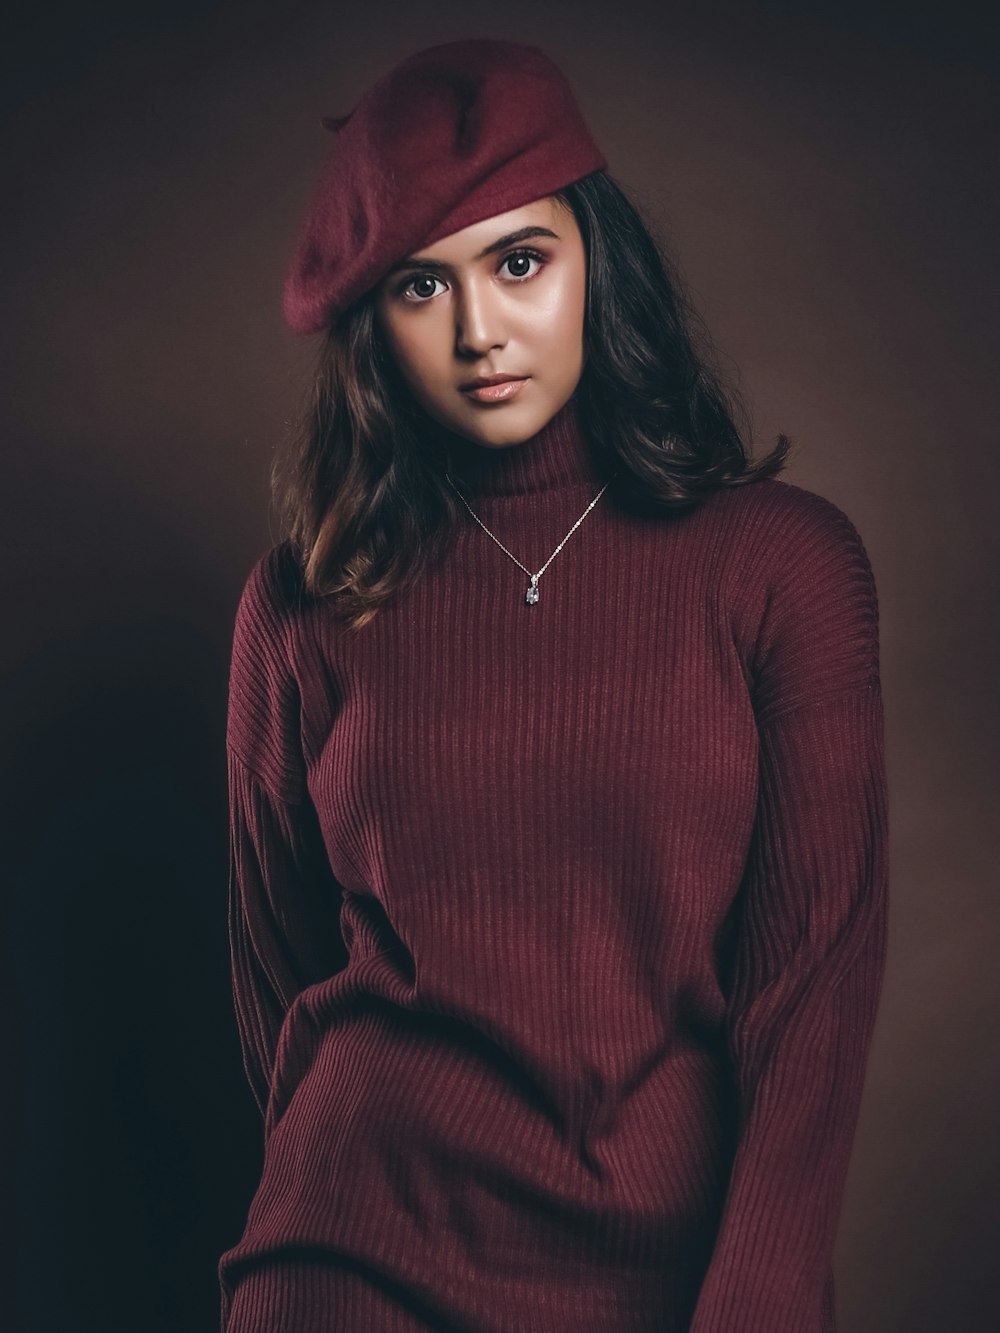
<point>558,892</point>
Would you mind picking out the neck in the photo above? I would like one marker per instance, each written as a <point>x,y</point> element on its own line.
<point>557,457</point>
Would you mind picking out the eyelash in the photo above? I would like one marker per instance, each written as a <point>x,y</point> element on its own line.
<point>514,254</point>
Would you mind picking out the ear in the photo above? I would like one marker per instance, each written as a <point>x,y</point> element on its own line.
<point>334,123</point>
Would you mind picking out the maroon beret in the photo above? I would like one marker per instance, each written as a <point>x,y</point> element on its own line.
<point>450,136</point>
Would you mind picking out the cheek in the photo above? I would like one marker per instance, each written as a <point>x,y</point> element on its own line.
<point>414,356</point>
<point>425,372</point>
<point>561,317</point>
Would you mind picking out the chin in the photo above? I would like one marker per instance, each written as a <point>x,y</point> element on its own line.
<point>499,428</point>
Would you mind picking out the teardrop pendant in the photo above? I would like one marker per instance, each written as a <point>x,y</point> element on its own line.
<point>532,590</point>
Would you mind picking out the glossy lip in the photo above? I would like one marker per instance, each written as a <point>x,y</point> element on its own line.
<point>499,390</point>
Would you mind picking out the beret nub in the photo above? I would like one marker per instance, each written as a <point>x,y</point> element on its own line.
<point>450,136</point>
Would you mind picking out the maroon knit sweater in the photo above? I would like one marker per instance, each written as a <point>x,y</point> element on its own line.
<point>558,930</point>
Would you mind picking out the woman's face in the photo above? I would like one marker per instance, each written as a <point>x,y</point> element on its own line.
<point>503,297</point>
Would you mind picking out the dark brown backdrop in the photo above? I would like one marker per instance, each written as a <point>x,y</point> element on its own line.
<point>827,176</point>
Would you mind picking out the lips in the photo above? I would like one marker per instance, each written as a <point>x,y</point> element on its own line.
<point>481,381</point>
<point>494,388</point>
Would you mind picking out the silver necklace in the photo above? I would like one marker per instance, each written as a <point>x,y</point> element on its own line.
<point>532,594</point>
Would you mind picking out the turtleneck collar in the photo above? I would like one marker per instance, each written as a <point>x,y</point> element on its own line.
<point>557,457</point>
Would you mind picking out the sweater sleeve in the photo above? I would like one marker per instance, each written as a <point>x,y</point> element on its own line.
<point>284,902</point>
<point>810,947</point>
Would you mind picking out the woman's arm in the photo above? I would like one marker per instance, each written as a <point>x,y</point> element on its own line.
<point>284,902</point>
<point>806,981</point>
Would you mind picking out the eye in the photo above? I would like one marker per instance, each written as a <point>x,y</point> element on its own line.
<point>520,257</point>
<point>419,288</point>
<point>418,281</point>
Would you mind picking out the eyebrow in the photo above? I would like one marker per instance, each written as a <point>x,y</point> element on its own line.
<point>512,238</point>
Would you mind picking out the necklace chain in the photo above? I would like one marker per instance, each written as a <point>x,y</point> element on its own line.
<point>532,594</point>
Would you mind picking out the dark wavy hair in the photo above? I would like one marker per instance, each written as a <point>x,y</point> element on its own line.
<point>363,498</point>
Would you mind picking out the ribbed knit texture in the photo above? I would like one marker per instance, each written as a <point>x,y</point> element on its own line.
<point>558,930</point>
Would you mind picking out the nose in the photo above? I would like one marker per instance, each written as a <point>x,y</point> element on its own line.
<point>478,321</point>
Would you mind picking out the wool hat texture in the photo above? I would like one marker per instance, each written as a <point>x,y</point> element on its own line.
<point>450,136</point>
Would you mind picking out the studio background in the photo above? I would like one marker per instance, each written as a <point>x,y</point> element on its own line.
<point>826,176</point>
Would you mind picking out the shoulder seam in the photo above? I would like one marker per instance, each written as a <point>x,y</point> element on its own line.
<point>872,687</point>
